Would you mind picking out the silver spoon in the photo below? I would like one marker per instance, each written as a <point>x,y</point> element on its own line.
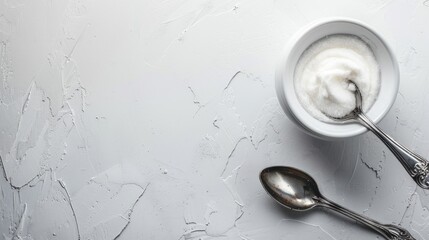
<point>297,190</point>
<point>416,165</point>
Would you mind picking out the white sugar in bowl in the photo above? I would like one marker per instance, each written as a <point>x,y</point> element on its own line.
<point>285,73</point>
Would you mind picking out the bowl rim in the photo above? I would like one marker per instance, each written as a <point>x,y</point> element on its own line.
<point>283,97</point>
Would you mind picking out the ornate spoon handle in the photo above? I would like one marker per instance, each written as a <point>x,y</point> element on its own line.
<point>415,164</point>
<point>388,231</point>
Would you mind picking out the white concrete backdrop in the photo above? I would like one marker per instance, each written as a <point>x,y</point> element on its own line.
<point>151,119</point>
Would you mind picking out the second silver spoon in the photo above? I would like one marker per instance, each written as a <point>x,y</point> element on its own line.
<point>416,166</point>
<point>297,190</point>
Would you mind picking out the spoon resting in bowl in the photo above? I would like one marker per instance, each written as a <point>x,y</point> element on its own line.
<point>297,190</point>
<point>416,166</point>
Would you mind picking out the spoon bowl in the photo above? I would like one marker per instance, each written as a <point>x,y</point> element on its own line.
<point>290,187</point>
<point>354,114</point>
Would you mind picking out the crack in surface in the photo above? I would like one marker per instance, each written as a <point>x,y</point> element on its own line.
<point>231,154</point>
<point>378,178</point>
<point>375,171</point>
<point>4,170</point>
<point>130,212</point>
<point>308,224</point>
<point>204,230</point>
<point>27,98</point>
<point>256,144</point>
<point>37,177</point>
<point>215,122</point>
<point>232,79</point>
<point>68,56</point>
<point>18,230</point>
<point>62,184</point>
<point>196,101</point>
<point>194,95</point>
<point>9,180</point>
<point>410,198</point>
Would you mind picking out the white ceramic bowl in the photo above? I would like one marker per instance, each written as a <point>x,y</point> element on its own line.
<point>389,74</point>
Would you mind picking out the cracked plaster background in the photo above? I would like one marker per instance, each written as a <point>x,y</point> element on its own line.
<point>152,119</point>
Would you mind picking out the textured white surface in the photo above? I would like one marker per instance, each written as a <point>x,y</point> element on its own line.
<point>152,119</point>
